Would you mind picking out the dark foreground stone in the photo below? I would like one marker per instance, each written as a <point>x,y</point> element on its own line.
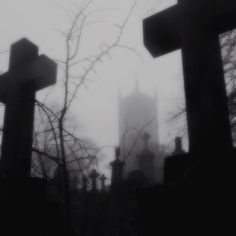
<point>25,209</point>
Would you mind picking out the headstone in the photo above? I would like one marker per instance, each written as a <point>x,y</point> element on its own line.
<point>27,74</point>
<point>178,147</point>
<point>194,26</point>
<point>117,165</point>
<point>177,164</point>
<point>146,160</point>
<point>103,179</point>
<point>94,176</point>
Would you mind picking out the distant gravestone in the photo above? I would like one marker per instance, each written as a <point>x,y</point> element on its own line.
<point>94,176</point>
<point>27,74</point>
<point>178,147</point>
<point>103,179</point>
<point>194,26</point>
<point>146,160</point>
<point>117,173</point>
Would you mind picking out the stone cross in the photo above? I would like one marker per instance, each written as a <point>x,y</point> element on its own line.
<point>117,165</point>
<point>93,176</point>
<point>103,179</point>
<point>194,26</point>
<point>27,74</point>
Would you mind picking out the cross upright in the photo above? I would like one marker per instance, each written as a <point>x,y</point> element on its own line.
<point>27,74</point>
<point>194,26</point>
<point>178,146</point>
<point>117,165</point>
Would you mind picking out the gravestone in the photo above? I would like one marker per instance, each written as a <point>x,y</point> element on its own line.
<point>177,164</point>
<point>94,176</point>
<point>103,179</point>
<point>146,160</point>
<point>178,147</point>
<point>194,26</point>
<point>28,73</point>
<point>117,172</point>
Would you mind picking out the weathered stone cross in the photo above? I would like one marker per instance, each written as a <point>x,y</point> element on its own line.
<point>194,26</point>
<point>103,179</point>
<point>93,176</point>
<point>117,169</point>
<point>27,73</point>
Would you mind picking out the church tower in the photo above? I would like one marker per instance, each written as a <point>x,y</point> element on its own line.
<point>137,115</point>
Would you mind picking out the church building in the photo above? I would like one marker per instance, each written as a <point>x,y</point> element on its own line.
<point>138,115</point>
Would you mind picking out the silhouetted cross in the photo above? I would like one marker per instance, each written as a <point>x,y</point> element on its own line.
<point>103,179</point>
<point>93,176</point>
<point>27,74</point>
<point>194,26</point>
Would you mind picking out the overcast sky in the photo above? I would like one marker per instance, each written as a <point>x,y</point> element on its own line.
<point>96,109</point>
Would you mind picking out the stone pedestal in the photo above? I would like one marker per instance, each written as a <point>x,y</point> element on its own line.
<point>200,199</point>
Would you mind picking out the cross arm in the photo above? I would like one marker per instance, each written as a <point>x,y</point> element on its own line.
<point>161,34</point>
<point>43,72</point>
